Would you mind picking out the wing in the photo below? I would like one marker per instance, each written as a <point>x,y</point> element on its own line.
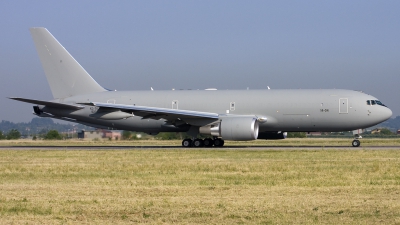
<point>49,104</point>
<point>173,116</point>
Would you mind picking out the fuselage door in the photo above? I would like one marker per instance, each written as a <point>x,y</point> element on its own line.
<point>343,105</point>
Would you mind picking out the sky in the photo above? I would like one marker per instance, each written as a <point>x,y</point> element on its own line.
<point>135,45</point>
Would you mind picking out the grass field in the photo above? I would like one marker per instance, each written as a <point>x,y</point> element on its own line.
<point>200,186</point>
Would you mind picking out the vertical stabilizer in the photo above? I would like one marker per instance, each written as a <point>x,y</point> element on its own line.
<point>65,75</point>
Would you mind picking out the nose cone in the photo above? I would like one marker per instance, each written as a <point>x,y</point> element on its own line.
<point>387,113</point>
<point>378,114</point>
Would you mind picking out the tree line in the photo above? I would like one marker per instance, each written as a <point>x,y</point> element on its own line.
<point>39,126</point>
<point>14,134</point>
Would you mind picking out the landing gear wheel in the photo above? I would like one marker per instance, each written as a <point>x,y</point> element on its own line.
<point>208,142</point>
<point>355,143</point>
<point>218,142</point>
<point>187,143</point>
<point>197,143</point>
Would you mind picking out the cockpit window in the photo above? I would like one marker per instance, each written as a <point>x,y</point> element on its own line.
<point>380,103</point>
<point>375,102</point>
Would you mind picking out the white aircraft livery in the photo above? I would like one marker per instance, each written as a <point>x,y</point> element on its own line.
<point>242,115</point>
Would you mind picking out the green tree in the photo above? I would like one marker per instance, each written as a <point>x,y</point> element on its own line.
<point>53,135</point>
<point>386,131</point>
<point>2,135</point>
<point>296,135</point>
<point>126,135</point>
<point>169,136</point>
<point>176,136</point>
<point>13,134</point>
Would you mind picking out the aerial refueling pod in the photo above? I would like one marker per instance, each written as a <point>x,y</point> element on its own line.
<point>238,128</point>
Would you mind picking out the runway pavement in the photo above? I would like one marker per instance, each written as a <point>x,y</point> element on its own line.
<point>85,147</point>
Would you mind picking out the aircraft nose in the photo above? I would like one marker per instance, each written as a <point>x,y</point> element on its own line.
<point>387,113</point>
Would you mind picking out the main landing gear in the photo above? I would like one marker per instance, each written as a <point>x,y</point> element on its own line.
<point>208,142</point>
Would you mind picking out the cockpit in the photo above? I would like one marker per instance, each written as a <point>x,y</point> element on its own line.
<point>375,102</point>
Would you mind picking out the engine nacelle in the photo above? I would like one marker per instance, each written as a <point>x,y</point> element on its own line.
<point>236,128</point>
<point>272,135</point>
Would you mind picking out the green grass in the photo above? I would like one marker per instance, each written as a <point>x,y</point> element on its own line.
<point>200,186</point>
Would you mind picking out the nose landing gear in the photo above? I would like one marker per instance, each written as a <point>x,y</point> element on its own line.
<point>355,143</point>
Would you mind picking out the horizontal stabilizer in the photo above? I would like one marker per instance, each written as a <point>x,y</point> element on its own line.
<point>49,104</point>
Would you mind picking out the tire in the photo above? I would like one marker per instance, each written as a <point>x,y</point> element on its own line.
<point>218,142</point>
<point>197,143</point>
<point>355,143</point>
<point>187,143</point>
<point>208,142</point>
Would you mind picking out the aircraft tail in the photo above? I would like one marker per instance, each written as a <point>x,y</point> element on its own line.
<point>65,75</point>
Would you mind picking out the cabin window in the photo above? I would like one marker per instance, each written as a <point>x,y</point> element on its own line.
<point>368,102</point>
<point>373,102</point>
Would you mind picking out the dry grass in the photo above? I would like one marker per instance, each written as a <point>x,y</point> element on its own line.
<point>200,186</point>
<point>287,142</point>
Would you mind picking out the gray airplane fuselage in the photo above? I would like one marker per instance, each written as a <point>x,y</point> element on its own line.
<point>284,110</point>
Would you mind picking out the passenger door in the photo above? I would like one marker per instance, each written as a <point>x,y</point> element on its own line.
<point>343,105</point>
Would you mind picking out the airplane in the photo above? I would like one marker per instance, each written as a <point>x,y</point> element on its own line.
<point>242,115</point>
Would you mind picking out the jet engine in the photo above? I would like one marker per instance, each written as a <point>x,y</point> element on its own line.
<point>237,128</point>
